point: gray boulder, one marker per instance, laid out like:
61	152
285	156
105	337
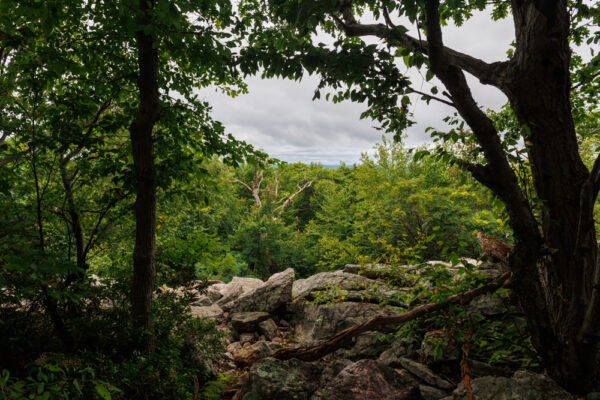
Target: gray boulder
255	351
213	311
202	300
425	374
524	385
366	346
237	287
336	279
316	322
488	305
266	297
367	379
268	328
435	348
394	352
431	393
372	271
276	379
248	321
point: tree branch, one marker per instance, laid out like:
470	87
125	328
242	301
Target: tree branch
490	74
243	184
449	103
502	181
291	198
344	338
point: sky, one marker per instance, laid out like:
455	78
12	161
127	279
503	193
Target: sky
279	117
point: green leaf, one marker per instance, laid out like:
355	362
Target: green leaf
103	392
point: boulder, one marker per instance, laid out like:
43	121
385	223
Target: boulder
247	337
435	348
367	379
336	279
488	305
213	311
276	379
431	393
394	352
425	374
316	322
523	385
266	297
372	271
248	321
268	328
237	287
202	300
214	292
366	346
255	351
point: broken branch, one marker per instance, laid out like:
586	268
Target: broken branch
344	338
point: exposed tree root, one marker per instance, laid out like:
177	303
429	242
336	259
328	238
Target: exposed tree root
344	338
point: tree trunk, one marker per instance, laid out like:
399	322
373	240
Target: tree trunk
75	221
144	268
565	264
554	258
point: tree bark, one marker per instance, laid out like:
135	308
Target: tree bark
554	264
75	220
144	268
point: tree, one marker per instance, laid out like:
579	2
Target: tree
554	261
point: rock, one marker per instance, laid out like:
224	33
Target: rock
487	305
365	346
524	385
214	292
255	351
332	369
315	322
395	351
479	369
431	393
212	311
266	297
445	352
246	338
202	300
229	293
234	289
247	284
371	271
367	379
425	374
337	279
247	321
268	328
275	379
233	347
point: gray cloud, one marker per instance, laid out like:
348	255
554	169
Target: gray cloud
280	117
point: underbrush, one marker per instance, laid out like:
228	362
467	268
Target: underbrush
94	357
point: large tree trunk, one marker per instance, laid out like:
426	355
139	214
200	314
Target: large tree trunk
144	268
539	94
554	260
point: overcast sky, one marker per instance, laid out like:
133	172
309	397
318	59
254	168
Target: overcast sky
279	117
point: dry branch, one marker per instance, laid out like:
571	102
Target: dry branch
344	338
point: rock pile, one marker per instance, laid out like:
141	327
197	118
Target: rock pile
261	317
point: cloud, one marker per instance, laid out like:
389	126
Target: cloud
280	117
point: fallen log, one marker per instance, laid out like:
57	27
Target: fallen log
344	338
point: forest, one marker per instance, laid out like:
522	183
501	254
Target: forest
124	204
